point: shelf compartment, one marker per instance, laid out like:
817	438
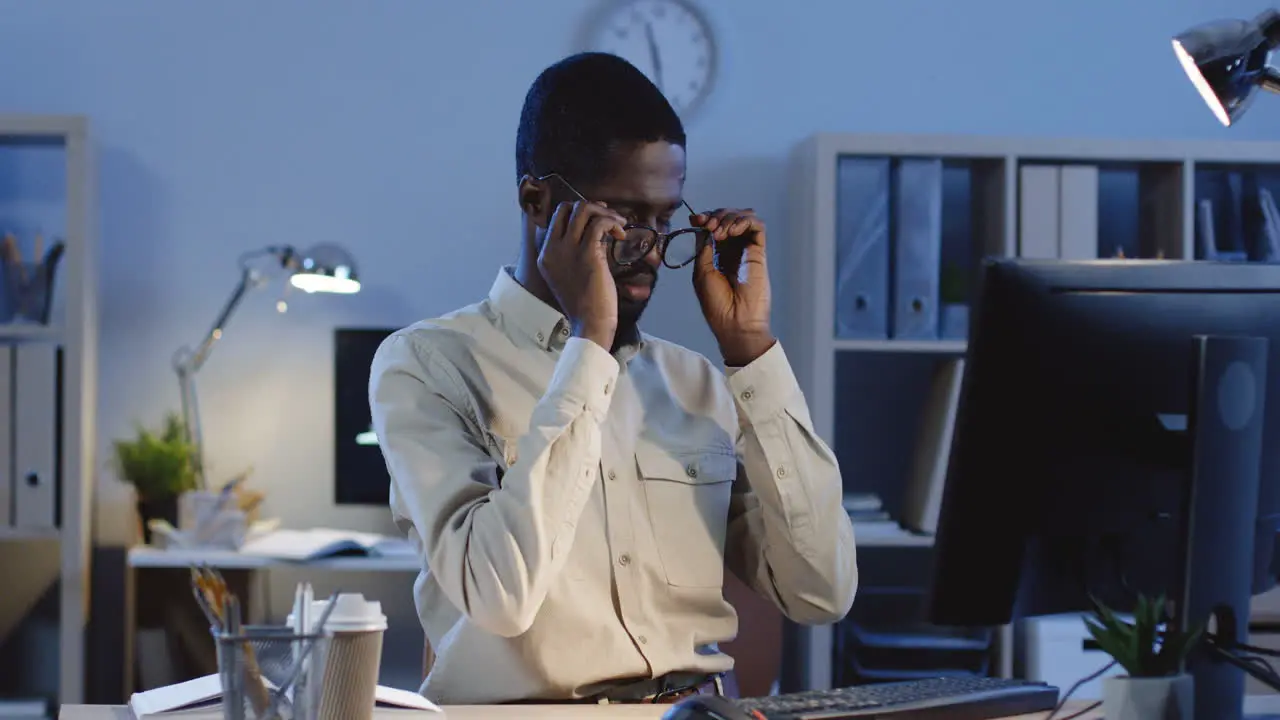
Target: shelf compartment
869	258
1232	195
21	332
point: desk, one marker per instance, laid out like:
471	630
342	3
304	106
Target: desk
149	558
485	712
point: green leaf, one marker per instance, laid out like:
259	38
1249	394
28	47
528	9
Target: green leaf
158	465
1114	645
1143	648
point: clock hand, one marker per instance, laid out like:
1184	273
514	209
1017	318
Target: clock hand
653	55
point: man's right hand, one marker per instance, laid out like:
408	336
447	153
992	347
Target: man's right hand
574	262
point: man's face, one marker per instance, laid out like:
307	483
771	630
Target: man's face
644	184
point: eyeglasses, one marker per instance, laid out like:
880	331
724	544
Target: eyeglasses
677	248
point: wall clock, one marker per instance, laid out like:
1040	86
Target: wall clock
670	41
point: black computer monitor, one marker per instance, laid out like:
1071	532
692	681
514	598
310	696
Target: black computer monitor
359	472
1079	433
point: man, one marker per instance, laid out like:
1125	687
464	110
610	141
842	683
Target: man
576	487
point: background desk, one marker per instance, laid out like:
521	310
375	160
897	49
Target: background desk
489	712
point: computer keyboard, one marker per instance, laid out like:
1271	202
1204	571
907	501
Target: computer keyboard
949	698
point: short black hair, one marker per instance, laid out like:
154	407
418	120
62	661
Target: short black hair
581	109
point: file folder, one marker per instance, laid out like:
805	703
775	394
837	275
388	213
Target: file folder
35	435
1038	206
1078	212
862	247
917	270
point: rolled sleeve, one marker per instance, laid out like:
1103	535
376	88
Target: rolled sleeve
585	376
793	540
494	547
766	388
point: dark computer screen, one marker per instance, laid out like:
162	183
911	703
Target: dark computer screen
360	475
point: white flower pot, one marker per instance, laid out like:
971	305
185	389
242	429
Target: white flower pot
1155	698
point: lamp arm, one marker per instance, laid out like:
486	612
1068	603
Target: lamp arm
187	362
1270	80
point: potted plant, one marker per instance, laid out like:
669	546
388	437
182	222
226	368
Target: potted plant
1152	655
160	466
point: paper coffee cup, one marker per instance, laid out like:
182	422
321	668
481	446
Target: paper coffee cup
354	657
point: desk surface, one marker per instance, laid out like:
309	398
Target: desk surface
149	557
486	712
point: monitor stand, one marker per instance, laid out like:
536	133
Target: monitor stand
1224	426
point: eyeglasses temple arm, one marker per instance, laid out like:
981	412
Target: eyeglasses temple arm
572	189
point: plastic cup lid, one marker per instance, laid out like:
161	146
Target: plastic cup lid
351	613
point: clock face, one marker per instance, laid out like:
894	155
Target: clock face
668	40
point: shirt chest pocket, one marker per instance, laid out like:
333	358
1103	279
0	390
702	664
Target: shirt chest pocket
688	494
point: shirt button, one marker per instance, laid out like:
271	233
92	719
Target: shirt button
541	337
747	395
643	640
607	388
691	471
782	472
624	560
613	475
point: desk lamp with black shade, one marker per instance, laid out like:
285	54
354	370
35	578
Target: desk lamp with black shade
323	268
1229	60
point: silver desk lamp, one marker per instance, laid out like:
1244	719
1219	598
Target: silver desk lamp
323	268
1228	60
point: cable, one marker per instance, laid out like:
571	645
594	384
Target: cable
1254	666
1067	696
1269	652
1087	708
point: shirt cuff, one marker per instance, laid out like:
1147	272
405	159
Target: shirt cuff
585	375
764	387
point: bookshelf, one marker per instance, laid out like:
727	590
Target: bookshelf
72	331
1005	197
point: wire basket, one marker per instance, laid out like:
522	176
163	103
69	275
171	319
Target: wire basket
271	673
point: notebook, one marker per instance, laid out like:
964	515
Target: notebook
303	545
194	698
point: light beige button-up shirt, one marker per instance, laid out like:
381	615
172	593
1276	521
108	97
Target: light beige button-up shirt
575	510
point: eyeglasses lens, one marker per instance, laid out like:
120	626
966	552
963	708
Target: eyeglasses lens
682	246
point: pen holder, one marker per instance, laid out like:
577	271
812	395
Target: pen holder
271	672
27	295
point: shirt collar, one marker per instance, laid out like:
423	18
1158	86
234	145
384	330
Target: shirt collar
525	316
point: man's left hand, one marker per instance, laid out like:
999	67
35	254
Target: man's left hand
731	279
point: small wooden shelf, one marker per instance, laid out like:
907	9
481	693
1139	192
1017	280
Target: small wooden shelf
73	411
21	533
944	347
25	332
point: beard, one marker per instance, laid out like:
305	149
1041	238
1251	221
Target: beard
629	310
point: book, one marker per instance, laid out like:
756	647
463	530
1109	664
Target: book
303	545
195	698
862	502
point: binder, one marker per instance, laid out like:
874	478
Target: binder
1078	212
917	254
862	247
35	431
1038	202
928	477
6	435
